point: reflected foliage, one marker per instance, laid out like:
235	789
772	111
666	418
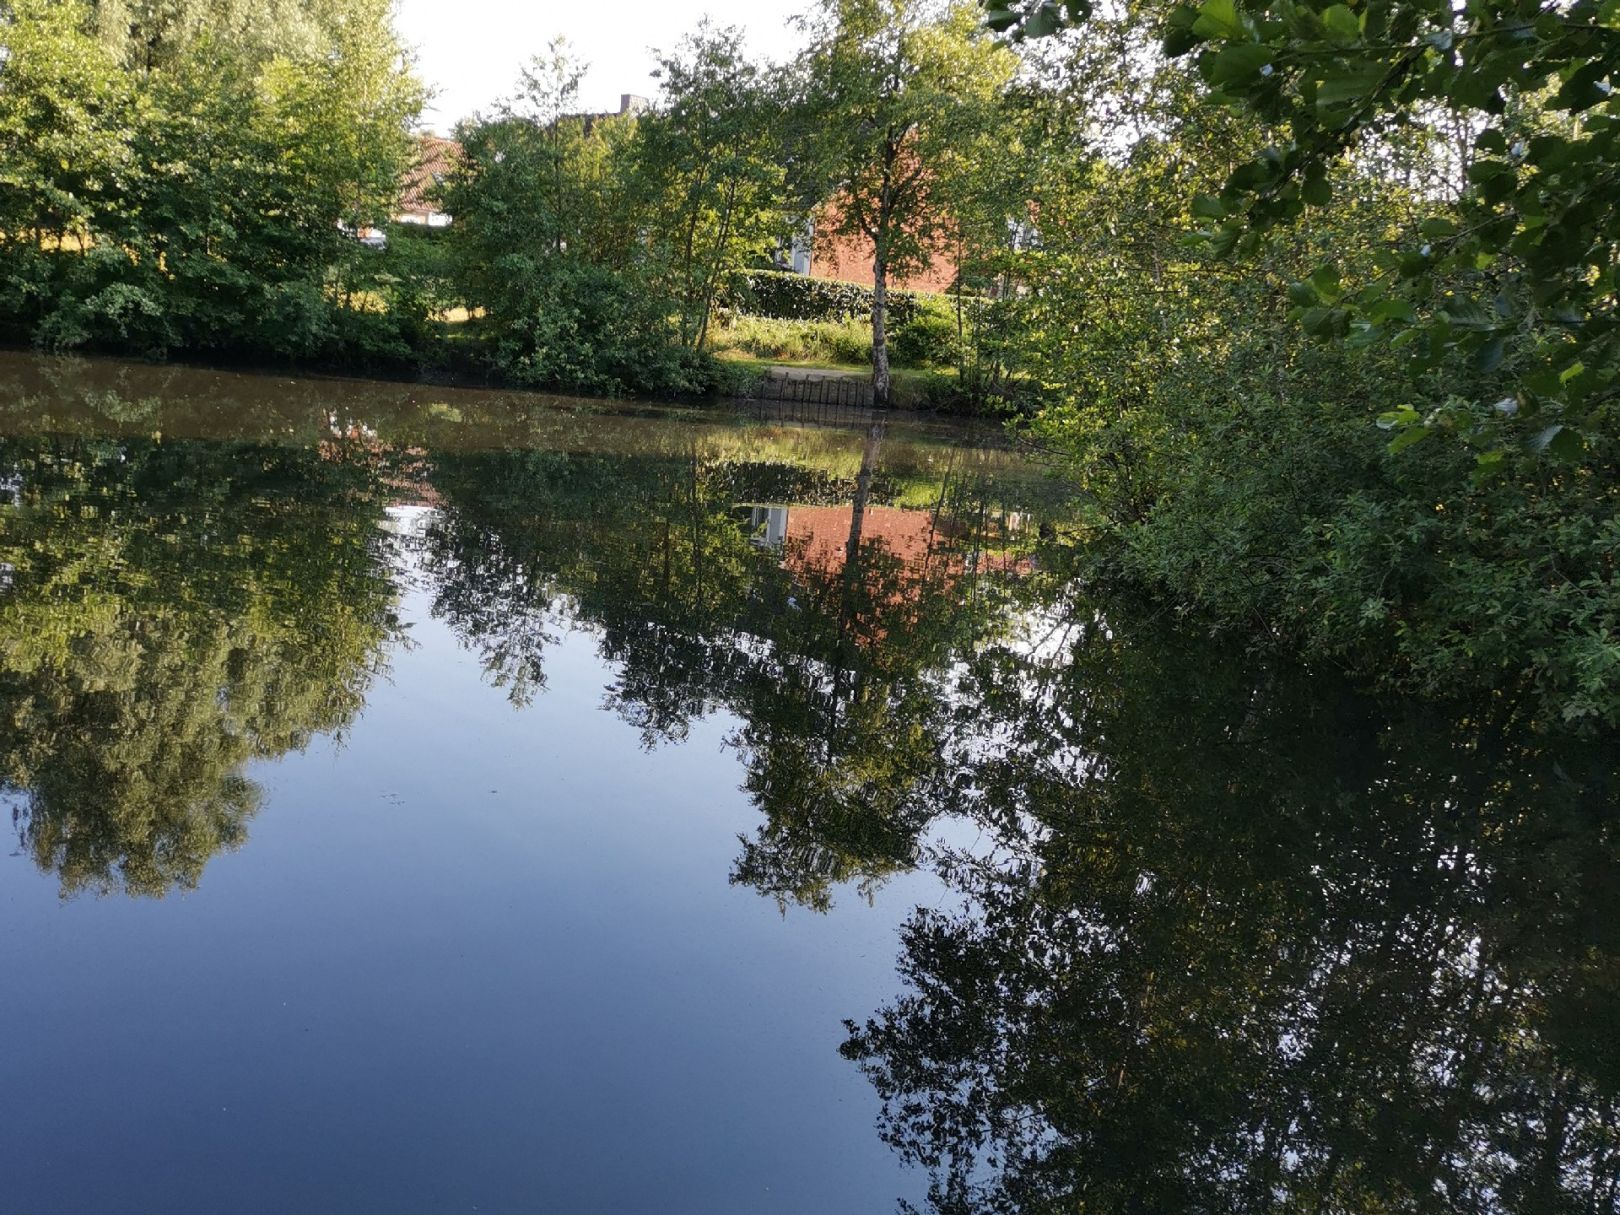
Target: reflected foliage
171	611
826	642
1297	951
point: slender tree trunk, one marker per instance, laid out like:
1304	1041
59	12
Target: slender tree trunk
880	320
712	283
961	333
845	649
688	276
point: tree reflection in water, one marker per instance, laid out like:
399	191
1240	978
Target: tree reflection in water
829	641
179	606
172	611
1249	943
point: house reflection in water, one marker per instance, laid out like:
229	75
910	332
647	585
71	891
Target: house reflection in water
815	540
767	525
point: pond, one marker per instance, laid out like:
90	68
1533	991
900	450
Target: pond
429	800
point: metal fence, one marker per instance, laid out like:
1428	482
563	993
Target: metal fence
808	397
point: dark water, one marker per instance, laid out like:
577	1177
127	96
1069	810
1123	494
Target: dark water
442	801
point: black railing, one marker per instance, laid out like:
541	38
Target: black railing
811	397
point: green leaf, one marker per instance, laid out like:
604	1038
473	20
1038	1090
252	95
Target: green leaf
1486	170
1488	464
1321	322
1341	23
1223	240
1218	19
1585	88
1316	190
1325	281
1467	314
1559	442
1177	42
1351	85
1407	437
1238	62
1391	310
1043	23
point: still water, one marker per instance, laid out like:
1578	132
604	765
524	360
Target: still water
431	801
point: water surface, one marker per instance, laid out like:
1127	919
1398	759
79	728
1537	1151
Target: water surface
429	800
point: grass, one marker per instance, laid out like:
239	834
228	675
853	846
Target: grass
764	363
832	344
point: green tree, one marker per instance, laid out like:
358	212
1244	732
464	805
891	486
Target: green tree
550	243
1236	467
1521	278
898	95
64	163
186	173
714	157
158	35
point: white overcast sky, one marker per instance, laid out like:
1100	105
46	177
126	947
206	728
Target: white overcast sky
469	51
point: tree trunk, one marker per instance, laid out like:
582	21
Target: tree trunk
880	337
847	608
863	494
712	283
688	278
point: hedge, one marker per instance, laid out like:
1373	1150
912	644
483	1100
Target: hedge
787	296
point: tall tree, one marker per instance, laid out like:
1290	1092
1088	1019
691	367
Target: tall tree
552	242
63	109
898	96
189	167
712	155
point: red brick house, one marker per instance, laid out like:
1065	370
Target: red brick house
849	259
435	157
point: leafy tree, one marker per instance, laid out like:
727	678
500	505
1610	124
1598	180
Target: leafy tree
1521	277
158	35
548	243
63	109
1236	468
898	96
713	155
185	173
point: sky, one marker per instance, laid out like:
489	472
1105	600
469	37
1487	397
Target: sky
469	51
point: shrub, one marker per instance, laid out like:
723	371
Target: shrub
1295	514
371	340
928	338
104	298
587	329
414	275
786	296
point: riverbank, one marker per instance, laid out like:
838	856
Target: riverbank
457	363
